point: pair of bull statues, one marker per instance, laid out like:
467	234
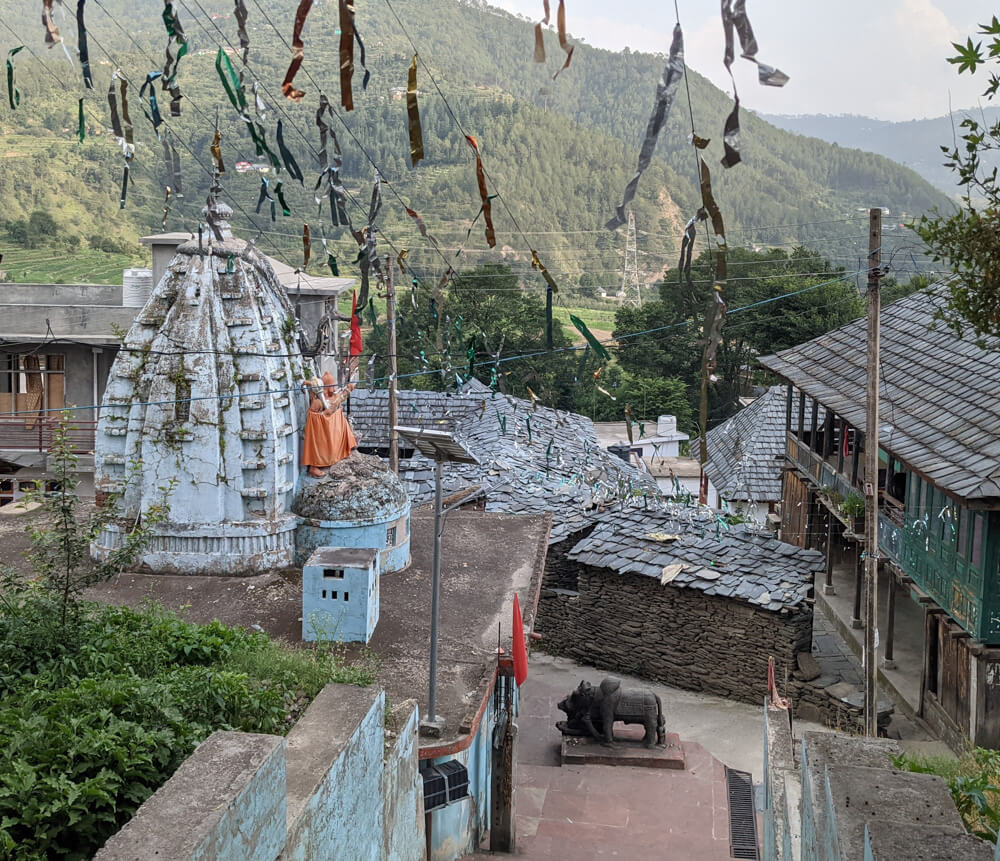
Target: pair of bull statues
593	711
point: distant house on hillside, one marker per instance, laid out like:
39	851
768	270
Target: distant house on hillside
938	486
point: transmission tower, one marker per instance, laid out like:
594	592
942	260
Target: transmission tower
630	293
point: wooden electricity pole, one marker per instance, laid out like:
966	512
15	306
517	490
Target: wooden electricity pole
871	474
390	319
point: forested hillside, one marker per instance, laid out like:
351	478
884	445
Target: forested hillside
558	151
915	143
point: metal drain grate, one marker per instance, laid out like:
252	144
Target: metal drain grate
742	817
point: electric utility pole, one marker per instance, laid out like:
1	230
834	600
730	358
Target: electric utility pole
390	319
871	474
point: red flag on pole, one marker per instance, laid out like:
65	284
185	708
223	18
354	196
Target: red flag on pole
355	346
519	650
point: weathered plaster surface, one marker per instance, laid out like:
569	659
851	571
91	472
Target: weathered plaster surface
403	789
205	392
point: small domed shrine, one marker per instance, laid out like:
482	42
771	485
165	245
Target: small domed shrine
206	392
359	503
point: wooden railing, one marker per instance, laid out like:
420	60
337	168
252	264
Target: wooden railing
33	433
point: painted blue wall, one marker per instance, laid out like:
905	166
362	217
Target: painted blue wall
344	610
370	533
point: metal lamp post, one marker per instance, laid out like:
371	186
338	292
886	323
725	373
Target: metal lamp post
441	447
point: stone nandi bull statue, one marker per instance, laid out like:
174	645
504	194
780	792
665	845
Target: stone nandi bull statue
593	711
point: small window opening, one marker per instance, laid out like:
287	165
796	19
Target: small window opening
324	593
390	536
346	595
333	573
333	596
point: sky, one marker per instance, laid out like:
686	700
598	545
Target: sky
877	58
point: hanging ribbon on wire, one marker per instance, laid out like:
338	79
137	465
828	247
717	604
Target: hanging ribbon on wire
216	150
592	341
240	13
298	52
413	115
52	36
548	316
539	39
175	38
13	93
563	42
687	248
265	194
287	158
330	165
491	238
81	127
734	17
121	127
331	260
346	54
666	89
306	247
718	227
236	92
81	45
153	114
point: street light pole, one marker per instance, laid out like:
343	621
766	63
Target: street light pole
435	594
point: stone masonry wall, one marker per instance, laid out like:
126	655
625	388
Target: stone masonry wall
629	623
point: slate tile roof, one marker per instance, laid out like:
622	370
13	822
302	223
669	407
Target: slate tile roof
532	459
939	391
747	451
736	563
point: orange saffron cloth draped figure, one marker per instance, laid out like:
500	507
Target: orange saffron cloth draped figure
328	436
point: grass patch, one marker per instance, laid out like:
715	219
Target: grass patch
97	714
47	265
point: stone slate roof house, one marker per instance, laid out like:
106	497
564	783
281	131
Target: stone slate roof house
938	485
746	454
610	594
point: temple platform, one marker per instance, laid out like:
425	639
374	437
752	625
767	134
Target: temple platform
628	749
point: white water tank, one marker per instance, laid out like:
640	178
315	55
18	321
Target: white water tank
666	426
137	284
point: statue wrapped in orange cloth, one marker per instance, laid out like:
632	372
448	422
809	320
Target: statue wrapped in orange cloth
328	436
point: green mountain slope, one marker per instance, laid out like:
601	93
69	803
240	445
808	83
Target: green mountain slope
916	143
560	152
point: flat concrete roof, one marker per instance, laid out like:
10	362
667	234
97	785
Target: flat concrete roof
343	557
485	559
682	467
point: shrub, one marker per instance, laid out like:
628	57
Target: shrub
97	713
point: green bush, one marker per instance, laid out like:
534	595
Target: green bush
96	714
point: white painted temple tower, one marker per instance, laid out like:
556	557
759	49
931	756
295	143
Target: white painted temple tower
206	390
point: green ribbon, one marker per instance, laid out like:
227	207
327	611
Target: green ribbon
230	82
331	261
81	131
596	345
13	93
281	199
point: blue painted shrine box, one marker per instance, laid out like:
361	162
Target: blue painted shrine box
340	598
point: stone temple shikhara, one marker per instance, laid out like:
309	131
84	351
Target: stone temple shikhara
206	390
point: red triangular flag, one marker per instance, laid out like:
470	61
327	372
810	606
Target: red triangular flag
520	652
355	346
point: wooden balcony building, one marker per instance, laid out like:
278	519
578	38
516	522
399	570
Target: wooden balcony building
939	498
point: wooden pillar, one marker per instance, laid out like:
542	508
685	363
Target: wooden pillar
828	585
814	424
788	408
828	434
859	439
859	575
802	415
840	445
888	662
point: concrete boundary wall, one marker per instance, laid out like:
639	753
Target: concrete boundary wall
333	789
225	802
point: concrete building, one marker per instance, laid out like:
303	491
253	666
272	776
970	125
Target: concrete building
340	595
663	442
205	392
57	344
